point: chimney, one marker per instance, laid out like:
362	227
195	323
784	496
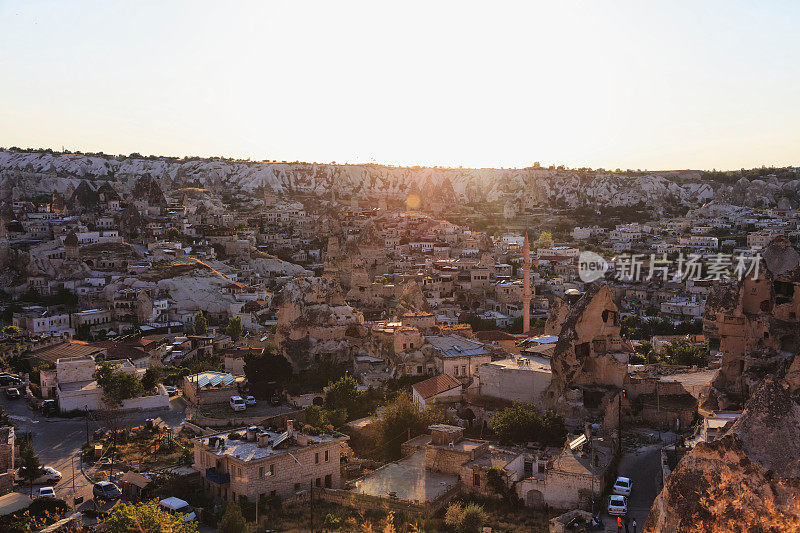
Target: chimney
588	431
252	431
290	428
263	439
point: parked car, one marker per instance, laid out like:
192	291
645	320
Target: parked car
46	492
622	486
178	507
12	393
49	406
617	505
9	380
51	475
237	403
105	490
250	400
172	391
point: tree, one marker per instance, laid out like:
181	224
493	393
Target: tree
401	419
683	352
469	519
235	330
152	376
320	417
545	240
11	331
520	423
232	521
265	369
145	517
30	467
343	394
173	233
116	384
200	324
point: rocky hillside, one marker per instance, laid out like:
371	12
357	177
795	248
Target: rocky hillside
747	481
34	172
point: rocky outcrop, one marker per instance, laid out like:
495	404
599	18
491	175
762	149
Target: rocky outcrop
747	481
27	173
412	299
315	321
589	362
758	324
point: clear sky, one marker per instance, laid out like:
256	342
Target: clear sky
639	84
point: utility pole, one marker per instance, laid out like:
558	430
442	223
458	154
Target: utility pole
86	418
622	393
72	462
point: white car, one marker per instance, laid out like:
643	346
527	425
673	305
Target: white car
178	507
617	505
47	492
51	475
237	403
250	400
622	486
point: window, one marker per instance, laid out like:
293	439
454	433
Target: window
463	370
404	345
412	345
326	456
296	487
260	471
419	369
271	470
476	479
455	371
328	481
272	493
318	483
316	458
528	468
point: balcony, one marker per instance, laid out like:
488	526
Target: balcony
220	478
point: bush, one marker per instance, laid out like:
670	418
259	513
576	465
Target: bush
469	519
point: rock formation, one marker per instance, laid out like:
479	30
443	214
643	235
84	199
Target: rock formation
315	321
758	324
746	481
590	360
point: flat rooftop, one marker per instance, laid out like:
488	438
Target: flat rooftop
532	363
407	479
251	451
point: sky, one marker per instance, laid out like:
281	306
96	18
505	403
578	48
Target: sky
611	84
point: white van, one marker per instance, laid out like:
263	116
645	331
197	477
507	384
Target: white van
178	507
237	403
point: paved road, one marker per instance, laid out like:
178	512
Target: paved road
58	441
643	466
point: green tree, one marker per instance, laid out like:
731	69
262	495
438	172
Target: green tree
343	394
545	240
173	233
200	324
400	419
145	517
520	423
152	377
683	352
11	331
232	521
234	330
267	371
83	332
320	417
30	467
116	384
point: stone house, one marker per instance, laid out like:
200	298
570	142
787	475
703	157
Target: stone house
258	463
